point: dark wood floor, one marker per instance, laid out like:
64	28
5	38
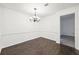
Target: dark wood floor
39	46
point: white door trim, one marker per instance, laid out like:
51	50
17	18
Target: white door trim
70	11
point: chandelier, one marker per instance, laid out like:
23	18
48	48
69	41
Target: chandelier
34	18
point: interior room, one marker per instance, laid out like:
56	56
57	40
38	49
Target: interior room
67	30
39	28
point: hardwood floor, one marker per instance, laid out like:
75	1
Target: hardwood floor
68	40
39	46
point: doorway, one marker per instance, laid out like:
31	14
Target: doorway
67	30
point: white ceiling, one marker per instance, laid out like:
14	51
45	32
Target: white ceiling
42	11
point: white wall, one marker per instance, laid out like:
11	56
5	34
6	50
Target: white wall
16	28
1	18
0	23
0	27
49	27
67	25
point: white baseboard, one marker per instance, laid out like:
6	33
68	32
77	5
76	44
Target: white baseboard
76	48
58	42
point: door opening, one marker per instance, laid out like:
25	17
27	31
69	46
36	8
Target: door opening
67	30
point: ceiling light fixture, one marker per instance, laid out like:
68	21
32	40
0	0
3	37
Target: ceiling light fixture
35	18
